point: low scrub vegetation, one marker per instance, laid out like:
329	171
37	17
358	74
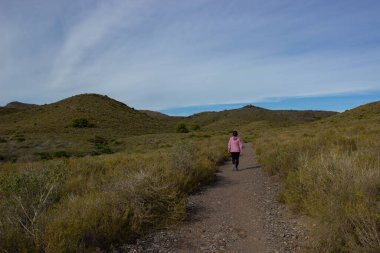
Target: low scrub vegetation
101	146
82	123
331	172
99	187
67	125
80	204
181	128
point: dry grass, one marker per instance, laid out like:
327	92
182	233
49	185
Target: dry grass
68	126
331	171
237	118
77	204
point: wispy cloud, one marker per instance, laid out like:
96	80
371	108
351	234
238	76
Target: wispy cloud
158	54
88	39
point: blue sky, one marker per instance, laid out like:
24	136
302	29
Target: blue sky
158	54
337	102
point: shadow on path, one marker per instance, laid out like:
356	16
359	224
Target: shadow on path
251	168
220	180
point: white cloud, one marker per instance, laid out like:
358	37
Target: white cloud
86	37
158	54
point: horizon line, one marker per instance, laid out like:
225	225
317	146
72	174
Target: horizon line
332	102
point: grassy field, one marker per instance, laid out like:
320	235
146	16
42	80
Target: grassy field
78	126
92	124
330	170
77	204
89	171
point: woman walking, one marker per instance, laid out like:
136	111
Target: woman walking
235	147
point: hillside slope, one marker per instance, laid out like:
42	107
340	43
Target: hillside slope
17	104
92	124
330	169
81	125
237	117
370	111
107	115
154	114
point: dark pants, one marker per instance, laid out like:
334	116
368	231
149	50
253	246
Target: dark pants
235	158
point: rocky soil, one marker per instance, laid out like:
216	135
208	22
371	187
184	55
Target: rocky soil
238	213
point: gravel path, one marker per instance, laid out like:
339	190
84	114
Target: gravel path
238	213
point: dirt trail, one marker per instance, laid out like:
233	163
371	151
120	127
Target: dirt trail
239	213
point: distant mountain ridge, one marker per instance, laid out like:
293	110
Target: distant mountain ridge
249	113
105	113
16	104
370	111
109	115
154	114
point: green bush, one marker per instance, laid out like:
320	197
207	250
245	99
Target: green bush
61	154
44	155
101	146
28	196
195	127
181	128
82	123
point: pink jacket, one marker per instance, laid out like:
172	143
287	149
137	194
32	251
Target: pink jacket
235	145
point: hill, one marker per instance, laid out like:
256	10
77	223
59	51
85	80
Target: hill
370	111
229	119
17	105
157	115
13	107
79	125
106	115
92	124
330	170
109	117
327	163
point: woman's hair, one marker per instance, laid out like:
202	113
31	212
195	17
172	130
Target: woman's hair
234	133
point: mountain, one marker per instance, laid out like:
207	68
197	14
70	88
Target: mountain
18	105
109	117
92	124
157	115
13	107
248	114
81	125
106	115
367	111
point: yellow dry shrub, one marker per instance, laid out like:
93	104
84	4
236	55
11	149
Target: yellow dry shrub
85	221
333	175
102	201
340	191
